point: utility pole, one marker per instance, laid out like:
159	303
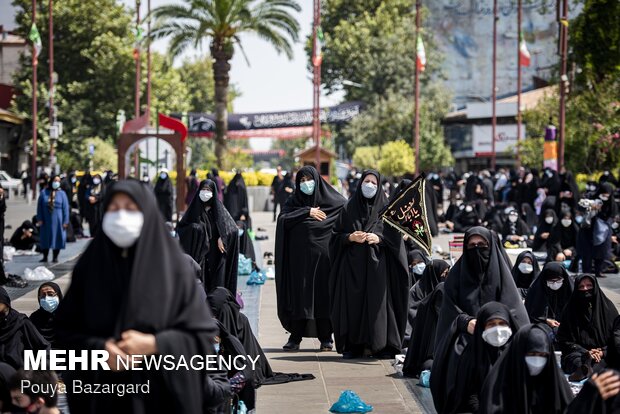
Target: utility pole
53	126
316	65
33	179
519	18
148	62
494	116
563	80
416	127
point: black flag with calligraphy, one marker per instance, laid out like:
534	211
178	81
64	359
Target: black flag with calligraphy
407	213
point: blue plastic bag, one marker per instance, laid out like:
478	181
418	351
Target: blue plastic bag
425	378
245	265
350	402
256	278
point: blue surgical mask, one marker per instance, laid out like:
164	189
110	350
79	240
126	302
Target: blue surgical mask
240	232
55	185
566	263
419	268
49	303
579	219
369	190
216	346
163	176
307	187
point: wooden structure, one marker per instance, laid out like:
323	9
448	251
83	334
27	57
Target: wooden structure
308	157
128	140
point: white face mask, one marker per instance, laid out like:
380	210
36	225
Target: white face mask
555	285
567	222
615	225
205	195
497	336
123	227
469	209
163	176
369	190
535	364
513	218
604	197
96	181
579	219
549	220
419	268
526	268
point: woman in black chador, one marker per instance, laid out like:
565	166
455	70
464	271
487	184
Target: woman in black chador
236	200
302	258
209	234
133	293
165	194
369	282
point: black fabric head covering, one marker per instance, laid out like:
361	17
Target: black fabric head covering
148	287
4	297
44	320
523	280
541	302
236	197
195	234
586	322
324	195
610	207
509	387
366	211
431	276
529	215
479	277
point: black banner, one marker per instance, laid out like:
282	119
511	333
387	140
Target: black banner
200	123
408	214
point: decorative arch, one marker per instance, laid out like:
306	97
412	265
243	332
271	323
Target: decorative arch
126	140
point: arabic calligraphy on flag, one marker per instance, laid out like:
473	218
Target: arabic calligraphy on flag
407	213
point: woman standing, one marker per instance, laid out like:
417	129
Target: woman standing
133	293
211	237
164	194
369	280
94	210
52	219
302	259
236	200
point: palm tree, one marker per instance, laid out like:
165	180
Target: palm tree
221	22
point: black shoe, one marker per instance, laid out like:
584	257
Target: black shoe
44	260
350	355
327	346
15	282
291	346
55	260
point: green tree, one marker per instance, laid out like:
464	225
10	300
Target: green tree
366	157
396	159
531	153
197	75
222	22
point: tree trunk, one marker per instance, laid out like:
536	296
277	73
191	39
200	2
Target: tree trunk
221	51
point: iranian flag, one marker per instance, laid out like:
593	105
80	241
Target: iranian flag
421	55
35	38
524	54
319	40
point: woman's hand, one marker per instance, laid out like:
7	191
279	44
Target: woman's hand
372	238
357	237
608	384
65	226
596	354
553	323
544	236
220	245
114	352
471	326
317	214
137	343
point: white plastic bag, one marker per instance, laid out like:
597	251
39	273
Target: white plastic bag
8	252
39	274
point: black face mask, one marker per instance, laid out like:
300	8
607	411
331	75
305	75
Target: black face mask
586	295
478	259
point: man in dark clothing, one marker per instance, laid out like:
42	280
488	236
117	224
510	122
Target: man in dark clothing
275	188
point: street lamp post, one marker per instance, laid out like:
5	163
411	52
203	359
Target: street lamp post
416	137
33	179
494	116
563	79
52	115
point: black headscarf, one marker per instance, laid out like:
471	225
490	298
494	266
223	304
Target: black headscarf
236	198
564	237
16	239
460	373
368	278
542	303
544	227
164	194
586	323
610	207
551	181
479	277
199	231
509	388
429	280
302	255
523	280
44	320
563	204
529	215
150	288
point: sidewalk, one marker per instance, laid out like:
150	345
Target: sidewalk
374	381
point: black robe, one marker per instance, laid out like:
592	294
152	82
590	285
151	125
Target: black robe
539	243
369	284
236	199
542	303
610	207
510	389
17	333
462	362
148	287
302	255
165	197
584	325
563	238
199	230
432	204
466	292
246	246
24	244
589	401
523	280
429	280
43	320
567	204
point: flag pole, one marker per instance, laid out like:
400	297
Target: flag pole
519	18
494	116
137	86
563	81
416	128
316	107
33	179
51	80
